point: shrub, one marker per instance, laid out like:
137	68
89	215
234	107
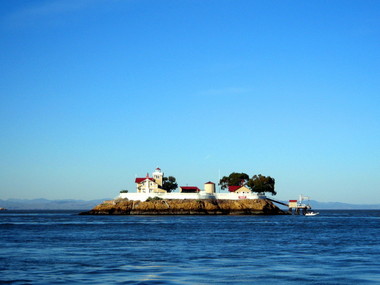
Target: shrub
153	199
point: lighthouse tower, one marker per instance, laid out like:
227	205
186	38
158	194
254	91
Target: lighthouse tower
157	175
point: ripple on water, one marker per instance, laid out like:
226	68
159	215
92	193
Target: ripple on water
67	249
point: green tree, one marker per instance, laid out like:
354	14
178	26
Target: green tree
169	183
262	184
234	179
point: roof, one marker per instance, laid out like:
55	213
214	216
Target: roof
233	188
189	187
139	180
209	182
292	200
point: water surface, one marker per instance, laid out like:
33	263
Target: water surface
59	247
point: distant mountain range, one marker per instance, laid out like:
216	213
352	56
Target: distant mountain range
337	206
343	206
44	204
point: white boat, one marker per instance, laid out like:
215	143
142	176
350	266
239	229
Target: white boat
311	213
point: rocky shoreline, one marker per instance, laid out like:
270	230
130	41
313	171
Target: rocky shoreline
186	207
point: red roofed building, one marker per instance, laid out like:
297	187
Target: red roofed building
150	184
189	189
239	189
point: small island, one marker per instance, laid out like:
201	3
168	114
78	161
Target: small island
157	206
154	196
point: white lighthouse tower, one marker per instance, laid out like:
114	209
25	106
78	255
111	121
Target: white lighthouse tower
157	175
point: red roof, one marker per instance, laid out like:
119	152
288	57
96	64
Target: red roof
209	182
233	188
139	180
292	200
190	188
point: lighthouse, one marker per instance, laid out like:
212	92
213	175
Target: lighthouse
157	176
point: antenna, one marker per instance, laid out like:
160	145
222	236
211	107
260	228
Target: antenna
218	182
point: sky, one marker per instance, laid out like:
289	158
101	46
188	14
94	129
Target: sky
94	93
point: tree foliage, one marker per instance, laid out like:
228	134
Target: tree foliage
169	183
262	184
234	179
257	183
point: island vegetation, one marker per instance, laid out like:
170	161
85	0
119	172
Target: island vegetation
169	183
256	183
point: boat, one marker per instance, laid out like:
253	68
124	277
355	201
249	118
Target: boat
311	213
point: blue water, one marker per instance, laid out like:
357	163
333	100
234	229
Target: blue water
336	247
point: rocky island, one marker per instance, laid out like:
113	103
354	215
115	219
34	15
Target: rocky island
155	196
186	207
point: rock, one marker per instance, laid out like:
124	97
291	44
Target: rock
186	207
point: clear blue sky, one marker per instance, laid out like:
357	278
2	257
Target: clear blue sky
95	92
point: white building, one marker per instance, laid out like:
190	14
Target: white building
151	187
150	184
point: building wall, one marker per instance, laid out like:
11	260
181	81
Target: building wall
142	187
243	190
159	190
157	175
196	196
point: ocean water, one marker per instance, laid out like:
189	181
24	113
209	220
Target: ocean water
61	247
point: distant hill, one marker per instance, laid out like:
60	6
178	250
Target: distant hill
343	206
69	204
44	204
338	206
